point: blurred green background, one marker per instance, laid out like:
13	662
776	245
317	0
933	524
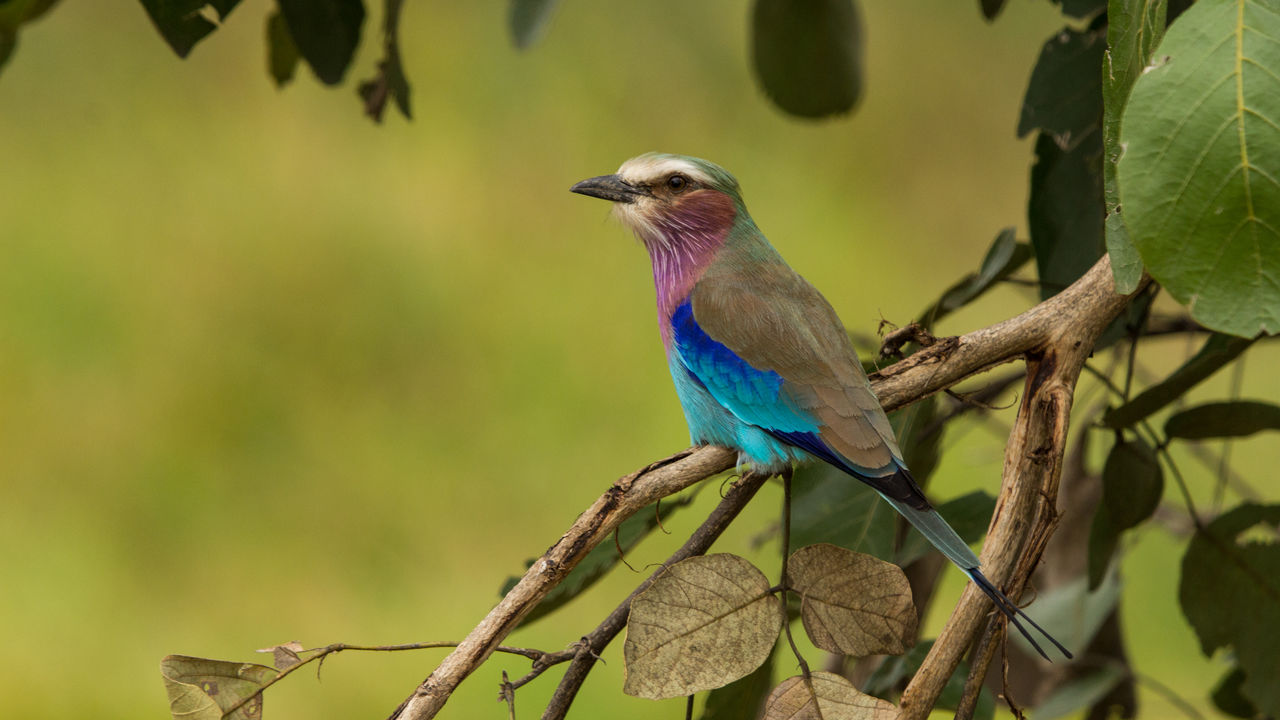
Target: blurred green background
270	372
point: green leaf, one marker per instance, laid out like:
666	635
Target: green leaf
832	698
528	20
1080	692
919	437
390	83
1064	95
326	33
14	14
1081	8
1230	593
991	8
602	558
829	506
743	698
1004	257
851	603
893	672
8	41
1072	613
203	689
1065	211
969	515
1216	352
1132	483
181	22
808	55
1236	418
1199	179
1134	27
703	623
1228	698
282	53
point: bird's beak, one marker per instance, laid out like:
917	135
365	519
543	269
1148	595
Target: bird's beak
609	187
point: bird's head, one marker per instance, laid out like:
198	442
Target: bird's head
670	200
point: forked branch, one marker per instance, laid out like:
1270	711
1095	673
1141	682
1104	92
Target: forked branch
1056	336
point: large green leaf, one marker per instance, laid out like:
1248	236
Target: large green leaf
1004	256
282	53
181	23
893	672
326	33
1230	593
1080	692
1200	174
1133	29
742	698
1132	484
808	55
1081	8
1064	94
829	506
528	20
1065	210
1228	697
14	14
832	507
1072	612
1236	418
1216	352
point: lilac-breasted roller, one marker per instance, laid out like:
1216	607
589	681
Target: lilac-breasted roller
760	360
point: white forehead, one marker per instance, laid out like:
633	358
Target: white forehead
647	169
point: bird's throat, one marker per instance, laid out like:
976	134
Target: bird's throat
682	241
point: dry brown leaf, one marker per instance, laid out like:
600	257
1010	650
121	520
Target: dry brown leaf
704	623
284	655
202	689
852	603
836	697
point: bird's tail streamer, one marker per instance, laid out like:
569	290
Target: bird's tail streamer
1015	614
936	530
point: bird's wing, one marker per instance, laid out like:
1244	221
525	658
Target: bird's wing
770	349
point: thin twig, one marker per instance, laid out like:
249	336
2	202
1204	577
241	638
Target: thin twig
589	649
786	581
322	652
979	660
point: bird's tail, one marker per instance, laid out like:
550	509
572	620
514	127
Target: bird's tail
936	530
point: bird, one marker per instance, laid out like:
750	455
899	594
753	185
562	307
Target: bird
760	360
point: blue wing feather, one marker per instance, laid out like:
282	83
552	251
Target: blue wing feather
757	399
754	396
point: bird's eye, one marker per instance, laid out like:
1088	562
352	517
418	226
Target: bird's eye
677	183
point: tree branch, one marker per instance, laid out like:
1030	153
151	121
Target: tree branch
593	644
1057	335
620	501
1056	342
